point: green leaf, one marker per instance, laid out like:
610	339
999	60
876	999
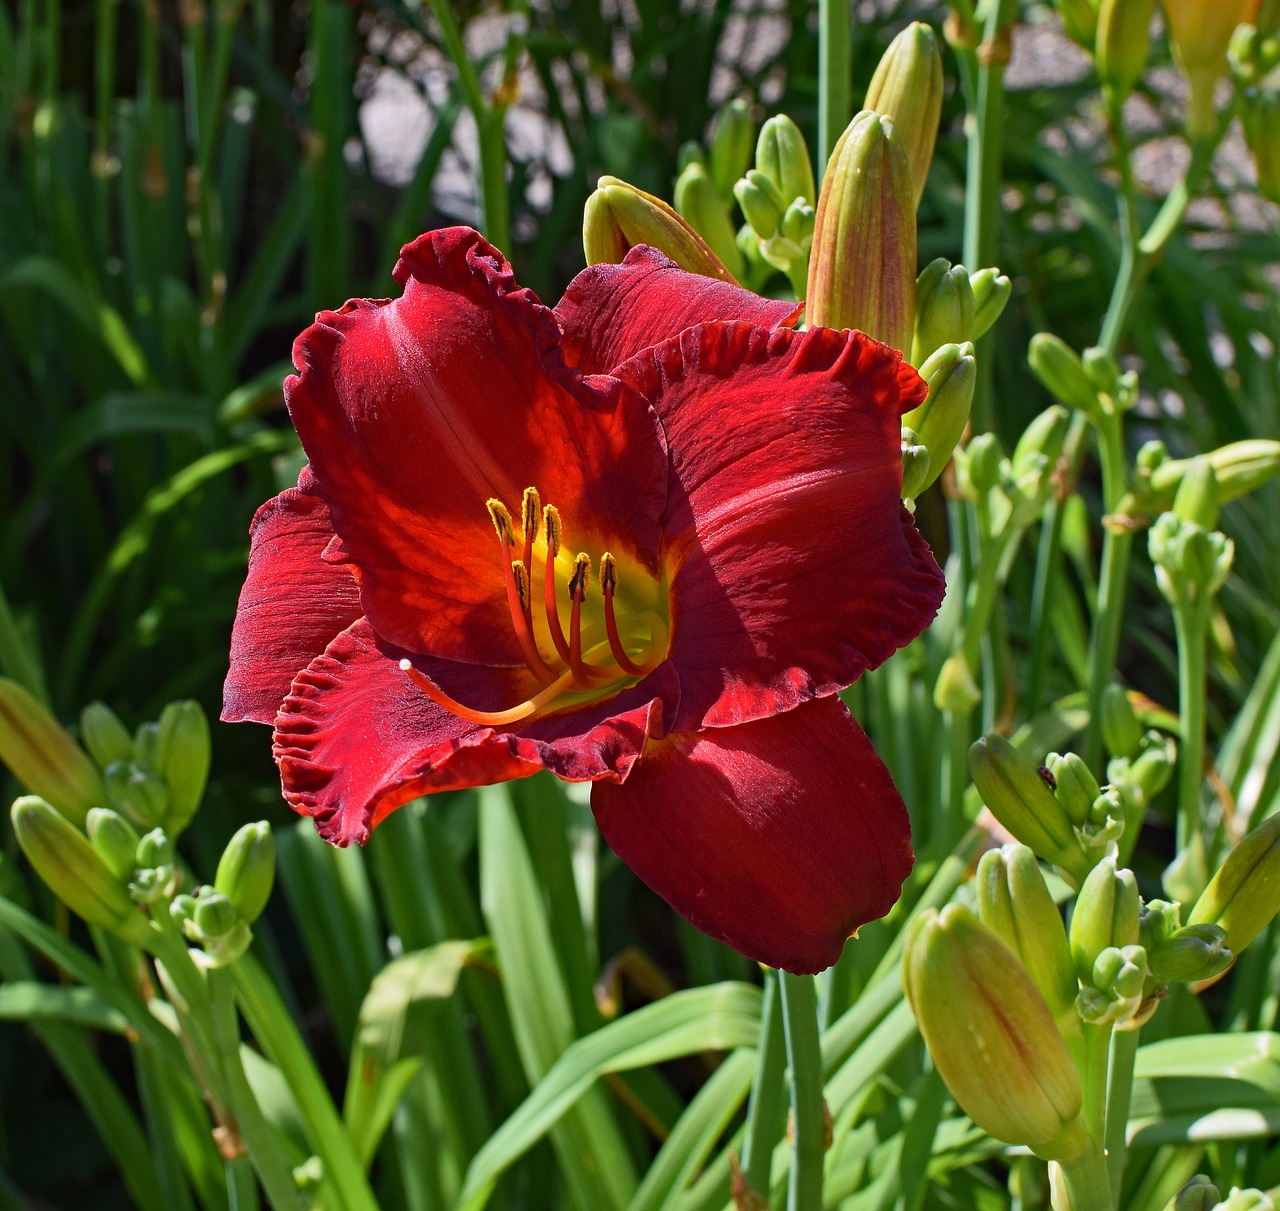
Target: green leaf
31	1000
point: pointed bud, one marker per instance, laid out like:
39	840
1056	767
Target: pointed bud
74	871
136	792
915	465
951	373
862	271
1153	767
115	840
980	1014
983	459
43	757
1200	32
155	876
1260	110
797	223
944	309
1121	731
731	142
1199	1194
1244	895
1020	798
703	209
214	915
247	870
690	153
1105	915
762	203
1191	954
102	733
1014	901
619	216
1038	450
1124	33
1060	370
956	689
907	87
1075	787
1239	467
783	156
212	923
183	754
146	742
1101	368
1198	496
1113	992
991	291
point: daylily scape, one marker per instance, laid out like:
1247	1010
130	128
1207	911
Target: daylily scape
639	540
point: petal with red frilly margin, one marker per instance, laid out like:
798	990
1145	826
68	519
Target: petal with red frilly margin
780	837
292	603
355	738
609	313
793	565
415	411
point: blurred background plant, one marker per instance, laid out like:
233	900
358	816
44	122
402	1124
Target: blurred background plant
183	188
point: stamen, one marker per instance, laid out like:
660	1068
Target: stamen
517	599
501	519
522	584
516	714
577	591
608	585
551	518
531	508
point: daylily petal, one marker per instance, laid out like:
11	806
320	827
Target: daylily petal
793	565
416	410
355	738
292	603
780	837
611	312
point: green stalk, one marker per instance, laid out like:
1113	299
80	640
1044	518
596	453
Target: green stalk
1124	1052
804	1054
835	46
767	1113
1087	1183
1191	622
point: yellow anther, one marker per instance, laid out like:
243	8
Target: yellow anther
551	519
522	583
608	574
501	518
581	572
531	510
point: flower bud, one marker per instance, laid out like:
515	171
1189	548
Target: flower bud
1239	467
1014	901
797	223
214	915
1260	110
1105	915
1021	800
74	871
944	309
619	216
907	87
1190	954
956	689
1188	559
1060	370
939	422
703	209
210	920
43	757
991	291
1121	731
1075	787
690	153
1123	36
1113	992
862	270
156	876
1197	498
1153	768
102	733
915	465
982	459
1101	368
183	753
982	1017
146	741
1199	1194
783	157
115	840
731	141
1040	446
1246	1200
1244	895
1080	20
762	203
247	870
137	792
1200	32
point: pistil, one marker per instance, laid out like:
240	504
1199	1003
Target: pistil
516	714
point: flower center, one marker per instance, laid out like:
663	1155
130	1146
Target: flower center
612	639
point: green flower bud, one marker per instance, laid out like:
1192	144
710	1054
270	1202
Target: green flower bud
1186	877
1123	35
1153	768
74	871
1075	787
1196	952
939	422
1101	369
214	915
762	205
1189	560
183	753
182	910
704	210
1239	467
1200	32
944	309
1012	787
1038	450
991	291
797	223
732	139
156	877
1014	901
690	153
981	1014
1247	1200
1080	19
862	271
1158	921
956	689
1114	991
102	733
1151	455
1260	110
1106	820
1059	369
619	216
1244	895
983	457
1197	498
43	758
915	465
1121	731
137	792
247	869
146	742
1105	916
907	87
1199	1194
155	849
783	157
115	840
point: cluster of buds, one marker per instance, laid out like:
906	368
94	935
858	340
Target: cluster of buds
1238	467
1092	384
1254	55
777	197
1200	1194
1191	558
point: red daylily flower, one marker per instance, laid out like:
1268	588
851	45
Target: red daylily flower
417	617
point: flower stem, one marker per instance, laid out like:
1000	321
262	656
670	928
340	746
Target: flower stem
800	1023
1124	1052
766	1117
1190	620
835	40
1087	1184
